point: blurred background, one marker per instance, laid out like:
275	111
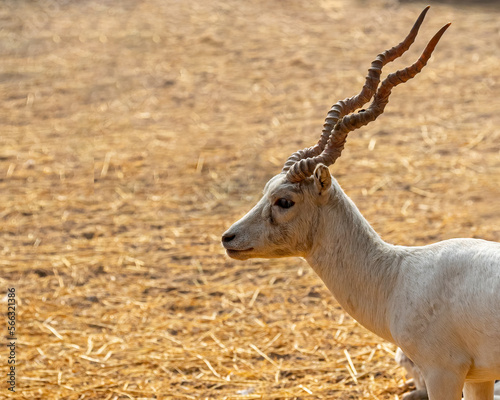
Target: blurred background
134	133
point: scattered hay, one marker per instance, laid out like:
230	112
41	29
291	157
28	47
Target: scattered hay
184	110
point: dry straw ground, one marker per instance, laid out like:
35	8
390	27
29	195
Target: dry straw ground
133	133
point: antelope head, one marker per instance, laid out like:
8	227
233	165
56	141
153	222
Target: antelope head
284	221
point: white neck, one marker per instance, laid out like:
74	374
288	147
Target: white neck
356	265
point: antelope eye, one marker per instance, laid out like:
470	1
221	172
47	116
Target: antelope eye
284	203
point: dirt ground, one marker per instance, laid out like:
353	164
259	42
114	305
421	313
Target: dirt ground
133	133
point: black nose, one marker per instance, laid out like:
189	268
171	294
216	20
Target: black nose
226	238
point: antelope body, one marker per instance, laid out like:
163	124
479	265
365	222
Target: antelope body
439	303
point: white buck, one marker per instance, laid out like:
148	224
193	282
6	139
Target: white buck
440	303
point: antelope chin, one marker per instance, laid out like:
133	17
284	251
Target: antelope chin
240	254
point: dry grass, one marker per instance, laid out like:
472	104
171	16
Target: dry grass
183	110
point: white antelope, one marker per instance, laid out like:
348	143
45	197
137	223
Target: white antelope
440	303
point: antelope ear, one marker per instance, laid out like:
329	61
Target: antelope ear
322	178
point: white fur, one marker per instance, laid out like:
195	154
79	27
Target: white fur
440	303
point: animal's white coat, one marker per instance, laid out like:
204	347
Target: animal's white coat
440	303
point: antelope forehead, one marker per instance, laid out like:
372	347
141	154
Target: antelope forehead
294	193
273	183
279	187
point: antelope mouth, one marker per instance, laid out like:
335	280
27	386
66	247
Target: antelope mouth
239	254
